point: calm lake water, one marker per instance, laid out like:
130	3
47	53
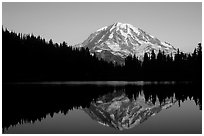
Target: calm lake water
102	107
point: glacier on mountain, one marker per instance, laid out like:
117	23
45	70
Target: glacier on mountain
122	39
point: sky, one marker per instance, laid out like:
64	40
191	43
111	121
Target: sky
179	23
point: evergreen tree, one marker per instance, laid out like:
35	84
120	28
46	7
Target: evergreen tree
30	58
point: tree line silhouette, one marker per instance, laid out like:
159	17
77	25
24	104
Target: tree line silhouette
181	66
31	58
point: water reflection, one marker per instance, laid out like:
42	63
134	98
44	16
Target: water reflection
118	106
118	111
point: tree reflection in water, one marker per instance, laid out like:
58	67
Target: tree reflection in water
118	106
118	111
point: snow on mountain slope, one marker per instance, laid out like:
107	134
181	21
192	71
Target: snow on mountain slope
122	40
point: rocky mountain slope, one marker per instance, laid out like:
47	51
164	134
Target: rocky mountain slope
117	41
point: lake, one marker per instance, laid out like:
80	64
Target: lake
102	107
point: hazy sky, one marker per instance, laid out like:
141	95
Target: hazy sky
177	23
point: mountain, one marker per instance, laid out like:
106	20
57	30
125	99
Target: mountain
116	110
117	41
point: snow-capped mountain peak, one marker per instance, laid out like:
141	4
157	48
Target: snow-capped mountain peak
122	39
126	26
102	28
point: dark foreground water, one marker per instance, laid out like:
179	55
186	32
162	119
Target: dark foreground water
102	107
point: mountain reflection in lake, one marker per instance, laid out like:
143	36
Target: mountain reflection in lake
102	107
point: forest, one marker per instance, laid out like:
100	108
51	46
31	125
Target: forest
27	58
